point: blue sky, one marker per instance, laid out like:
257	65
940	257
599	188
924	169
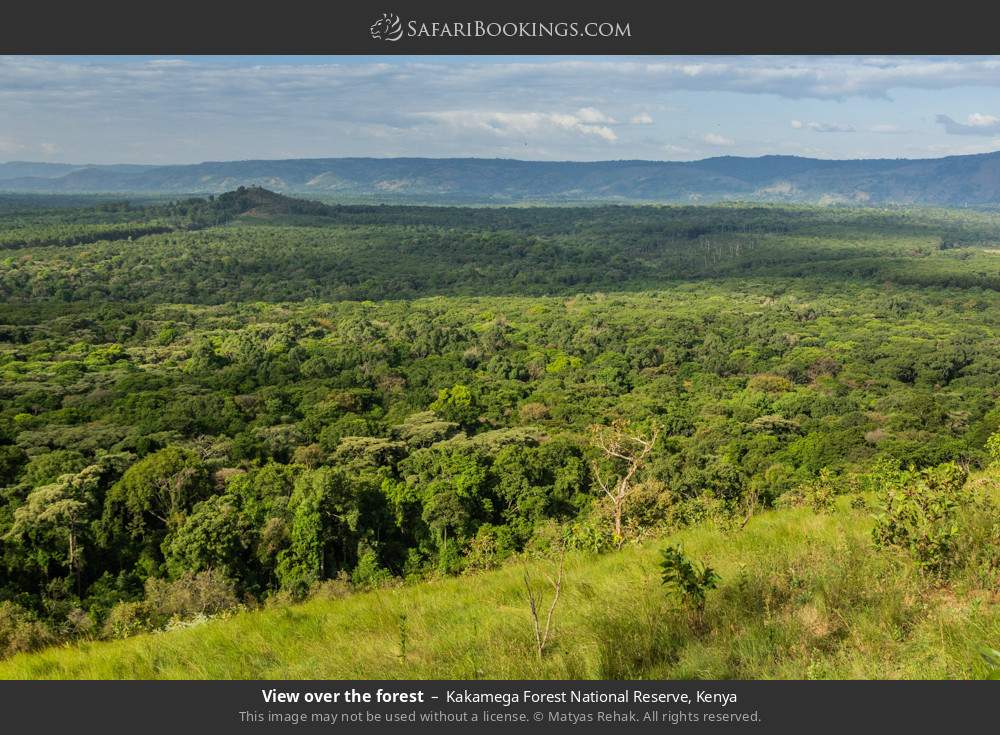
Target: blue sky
189	109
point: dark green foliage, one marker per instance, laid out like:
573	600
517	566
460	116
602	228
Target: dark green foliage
689	579
157	492
236	248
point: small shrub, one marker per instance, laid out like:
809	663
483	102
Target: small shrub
919	513
178	624
820	493
977	547
332	589
993	448
589	532
403	633
21	631
703	507
652	506
79	623
449	559
369	573
690	580
203	593
127	619
489	548
533	412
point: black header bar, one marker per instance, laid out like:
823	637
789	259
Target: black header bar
509	27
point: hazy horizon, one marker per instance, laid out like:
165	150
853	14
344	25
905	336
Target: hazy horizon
183	110
487	158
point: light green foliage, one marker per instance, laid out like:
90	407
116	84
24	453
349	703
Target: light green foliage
51	516
48	467
127	619
205	593
820	492
993	448
456	404
368	572
919	513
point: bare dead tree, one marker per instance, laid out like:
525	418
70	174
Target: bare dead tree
535	602
629	449
749	504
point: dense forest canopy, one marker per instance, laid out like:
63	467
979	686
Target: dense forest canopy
256	394
255	245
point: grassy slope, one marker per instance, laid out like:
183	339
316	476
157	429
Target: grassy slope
803	595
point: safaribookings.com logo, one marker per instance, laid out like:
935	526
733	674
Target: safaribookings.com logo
387	28
390	28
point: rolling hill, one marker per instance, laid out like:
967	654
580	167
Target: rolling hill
951	181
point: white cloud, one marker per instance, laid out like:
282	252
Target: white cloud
583	122
975	124
9	146
168	110
979	120
809	77
717	140
591	116
886	128
823	127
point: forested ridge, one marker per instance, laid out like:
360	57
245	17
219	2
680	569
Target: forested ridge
272	395
964	180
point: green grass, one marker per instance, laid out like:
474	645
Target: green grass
803	595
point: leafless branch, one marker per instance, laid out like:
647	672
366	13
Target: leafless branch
534	601
618	442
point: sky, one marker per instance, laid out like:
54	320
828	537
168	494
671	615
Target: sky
162	110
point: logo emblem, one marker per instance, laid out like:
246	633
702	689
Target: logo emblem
387	28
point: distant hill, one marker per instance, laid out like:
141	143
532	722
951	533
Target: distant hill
256	200
955	180
17	170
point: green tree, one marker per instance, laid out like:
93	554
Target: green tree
212	536
156	493
325	520
52	520
457	404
